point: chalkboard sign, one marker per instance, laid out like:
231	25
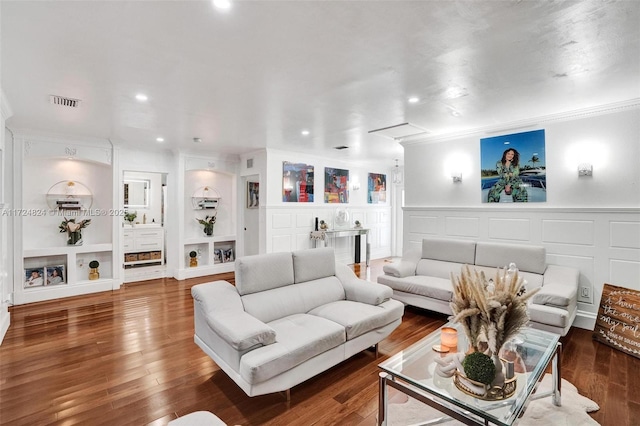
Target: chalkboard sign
618	322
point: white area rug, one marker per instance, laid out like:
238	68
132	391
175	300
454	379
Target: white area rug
539	412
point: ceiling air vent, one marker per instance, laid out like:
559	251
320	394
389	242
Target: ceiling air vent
400	131
340	147
63	101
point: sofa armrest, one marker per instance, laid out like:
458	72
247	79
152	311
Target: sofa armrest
241	330
358	290
406	267
559	287
225	315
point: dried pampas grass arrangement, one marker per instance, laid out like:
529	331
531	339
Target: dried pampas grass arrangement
490	313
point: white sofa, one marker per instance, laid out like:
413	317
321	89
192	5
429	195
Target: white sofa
289	317
422	277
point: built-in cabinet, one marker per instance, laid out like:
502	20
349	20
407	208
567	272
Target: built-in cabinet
143	245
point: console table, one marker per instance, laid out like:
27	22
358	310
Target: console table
356	233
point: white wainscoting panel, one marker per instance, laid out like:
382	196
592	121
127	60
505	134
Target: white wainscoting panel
510	229
422	224
281	221
462	226
625	234
303	241
281	243
568	232
372	219
305	220
625	273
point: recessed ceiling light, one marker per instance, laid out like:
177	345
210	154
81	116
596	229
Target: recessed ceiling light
197	140
455	113
305	132
413	99
141	97
159	139
222	4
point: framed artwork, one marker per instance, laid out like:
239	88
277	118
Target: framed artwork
513	168
54	274
34	277
218	256
336	185
376	188
253	195
297	182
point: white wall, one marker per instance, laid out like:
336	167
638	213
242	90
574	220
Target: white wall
6	255
591	223
287	225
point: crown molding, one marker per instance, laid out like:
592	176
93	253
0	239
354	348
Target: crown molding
533	122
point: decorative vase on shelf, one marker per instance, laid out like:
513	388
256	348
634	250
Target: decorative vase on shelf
193	259
75	238
94	274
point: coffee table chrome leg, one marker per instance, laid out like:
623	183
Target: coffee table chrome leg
382	399
556	370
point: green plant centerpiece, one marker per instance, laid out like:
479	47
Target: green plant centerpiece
73	230
207	224
94	274
130	217
479	367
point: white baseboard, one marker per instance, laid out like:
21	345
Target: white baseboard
6	321
586	320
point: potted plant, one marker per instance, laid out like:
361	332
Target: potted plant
130	217
207	224
73	230
94	274
193	259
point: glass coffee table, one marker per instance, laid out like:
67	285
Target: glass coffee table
412	371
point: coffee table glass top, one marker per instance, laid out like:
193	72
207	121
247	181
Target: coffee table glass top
532	351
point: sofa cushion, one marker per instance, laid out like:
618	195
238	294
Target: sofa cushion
550	315
532	280
271	305
319	292
313	264
460	251
263	272
433	287
359	318
438	268
560	296
527	258
298	338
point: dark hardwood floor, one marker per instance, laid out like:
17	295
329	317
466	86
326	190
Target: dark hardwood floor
128	358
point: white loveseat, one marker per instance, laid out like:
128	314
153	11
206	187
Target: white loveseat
422	277
289	317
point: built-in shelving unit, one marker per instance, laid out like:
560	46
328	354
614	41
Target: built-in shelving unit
60	181
209	189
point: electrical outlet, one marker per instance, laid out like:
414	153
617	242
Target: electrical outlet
584	292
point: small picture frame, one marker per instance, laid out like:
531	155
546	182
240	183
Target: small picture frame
34	277
218	256
55	274
228	255
253	195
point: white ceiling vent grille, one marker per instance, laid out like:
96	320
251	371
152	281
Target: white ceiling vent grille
64	101
400	131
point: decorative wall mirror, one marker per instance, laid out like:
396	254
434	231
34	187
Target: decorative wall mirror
136	193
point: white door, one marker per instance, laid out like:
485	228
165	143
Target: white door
251	215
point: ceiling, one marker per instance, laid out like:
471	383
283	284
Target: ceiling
258	74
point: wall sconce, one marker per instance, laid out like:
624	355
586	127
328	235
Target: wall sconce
585	169
397	174
457	177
